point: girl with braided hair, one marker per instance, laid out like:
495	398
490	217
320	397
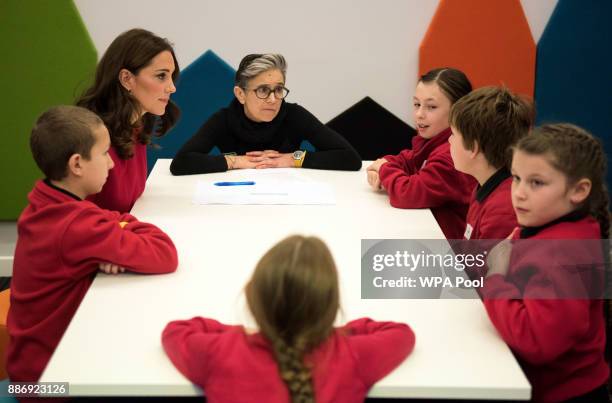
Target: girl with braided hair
297	355
545	286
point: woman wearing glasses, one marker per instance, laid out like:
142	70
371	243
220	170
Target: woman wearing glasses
260	130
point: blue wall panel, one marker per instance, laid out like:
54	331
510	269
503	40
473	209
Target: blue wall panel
573	74
205	86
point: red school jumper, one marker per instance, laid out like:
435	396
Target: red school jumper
560	343
491	215
61	240
232	366
126	181
425	177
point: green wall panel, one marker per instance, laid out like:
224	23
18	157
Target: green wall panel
46	58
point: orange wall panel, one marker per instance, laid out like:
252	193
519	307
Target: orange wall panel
490	41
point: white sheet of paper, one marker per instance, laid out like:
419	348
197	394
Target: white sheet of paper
270	188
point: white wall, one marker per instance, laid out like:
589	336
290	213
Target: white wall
338	51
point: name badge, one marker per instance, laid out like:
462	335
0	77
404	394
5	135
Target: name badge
468	232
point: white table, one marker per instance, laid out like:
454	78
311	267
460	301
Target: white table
8	238
112	346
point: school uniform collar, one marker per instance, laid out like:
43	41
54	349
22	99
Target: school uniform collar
491	184
48	183
441	137
576	215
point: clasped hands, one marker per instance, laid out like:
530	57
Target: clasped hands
260	160
372	172
110	268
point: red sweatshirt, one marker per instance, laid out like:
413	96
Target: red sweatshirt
125	183
491	215
425	177
61	240
560	343
232	366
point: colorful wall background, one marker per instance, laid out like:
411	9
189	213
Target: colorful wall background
353	63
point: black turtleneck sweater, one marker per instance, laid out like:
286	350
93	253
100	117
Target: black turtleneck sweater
232	132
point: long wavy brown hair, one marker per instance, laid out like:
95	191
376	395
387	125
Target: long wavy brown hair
132	50
294	298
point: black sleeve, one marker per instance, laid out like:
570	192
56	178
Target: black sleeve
193	156
333	151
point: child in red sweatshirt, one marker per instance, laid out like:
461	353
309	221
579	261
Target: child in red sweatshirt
425	177
64	240
296	355
543	293
485	124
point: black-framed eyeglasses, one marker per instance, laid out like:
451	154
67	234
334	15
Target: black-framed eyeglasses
264	92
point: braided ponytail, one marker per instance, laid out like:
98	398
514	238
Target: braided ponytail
602	214
294	297
294	372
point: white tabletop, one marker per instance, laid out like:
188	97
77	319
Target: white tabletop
112	346
8	238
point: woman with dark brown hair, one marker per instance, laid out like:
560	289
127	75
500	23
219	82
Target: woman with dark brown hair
131	93
297	355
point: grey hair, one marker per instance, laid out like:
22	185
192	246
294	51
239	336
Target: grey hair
254	64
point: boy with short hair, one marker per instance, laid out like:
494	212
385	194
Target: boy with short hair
63	240
485	124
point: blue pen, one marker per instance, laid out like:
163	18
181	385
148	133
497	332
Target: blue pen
247	183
